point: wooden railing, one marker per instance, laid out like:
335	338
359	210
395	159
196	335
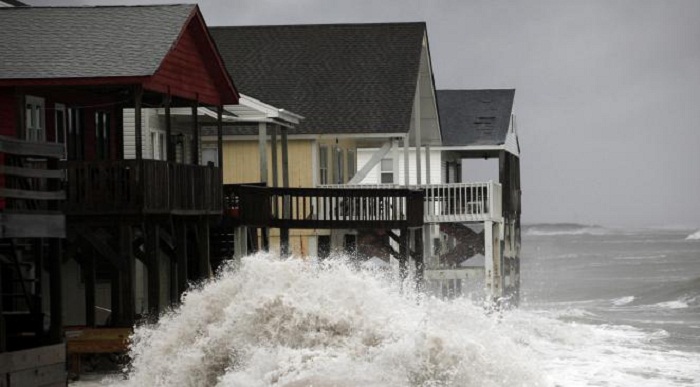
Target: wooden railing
330	208
141	187
30	189
453	202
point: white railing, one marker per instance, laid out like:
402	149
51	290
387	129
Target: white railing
453	202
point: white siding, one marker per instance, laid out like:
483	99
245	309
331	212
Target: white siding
149	122
374	176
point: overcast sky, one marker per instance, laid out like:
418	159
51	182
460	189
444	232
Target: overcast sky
607	92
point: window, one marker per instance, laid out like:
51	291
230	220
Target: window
338	163
351	163
75	135
34	119
102	123
323	164
387	171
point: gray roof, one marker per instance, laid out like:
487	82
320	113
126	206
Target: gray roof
475	117
14	3
81	42
343	78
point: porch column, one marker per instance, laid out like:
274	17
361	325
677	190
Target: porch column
395	159
138	131
273	146
220	137
195	133
405	161
284	232
427	164
262	150
416	113
170	149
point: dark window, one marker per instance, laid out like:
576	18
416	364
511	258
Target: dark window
76	150
102	123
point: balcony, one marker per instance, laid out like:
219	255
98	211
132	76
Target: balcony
453	202
141	187
358	207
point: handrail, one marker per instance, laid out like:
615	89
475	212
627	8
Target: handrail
142	186
18	147
330	208
452	202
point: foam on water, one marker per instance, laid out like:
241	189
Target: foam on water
301	323
693	236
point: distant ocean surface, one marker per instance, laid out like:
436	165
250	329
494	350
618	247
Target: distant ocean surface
635	295
600	307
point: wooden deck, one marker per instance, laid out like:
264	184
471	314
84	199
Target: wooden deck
452	202
30	190
148	187
305	208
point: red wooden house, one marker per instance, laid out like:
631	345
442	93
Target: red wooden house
67	195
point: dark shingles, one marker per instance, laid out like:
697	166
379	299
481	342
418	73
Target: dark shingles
81	42
475	117
343	78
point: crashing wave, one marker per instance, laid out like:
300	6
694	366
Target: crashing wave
564	229
296	323
695	236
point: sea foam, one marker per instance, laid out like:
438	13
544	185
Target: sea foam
299	323
693	236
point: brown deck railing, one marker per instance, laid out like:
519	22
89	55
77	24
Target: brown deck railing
330	208
141	187
30	189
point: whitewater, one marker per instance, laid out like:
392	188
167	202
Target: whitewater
264	321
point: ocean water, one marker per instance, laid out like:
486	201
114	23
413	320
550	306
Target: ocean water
599	308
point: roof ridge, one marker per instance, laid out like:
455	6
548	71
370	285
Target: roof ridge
29	7
311	25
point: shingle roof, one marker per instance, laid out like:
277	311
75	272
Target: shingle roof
81	42
14	3
343	78
475	117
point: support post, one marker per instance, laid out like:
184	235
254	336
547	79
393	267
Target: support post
489	267
240	244
56	307
417	124
115	295
151	242
220	137
128	276
170	149
89	273
403	254
405	161
273	146
195	133
181	254
138	127
419	258
203	246
427	164
284	232
262	150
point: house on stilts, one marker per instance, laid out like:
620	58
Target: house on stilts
89	226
